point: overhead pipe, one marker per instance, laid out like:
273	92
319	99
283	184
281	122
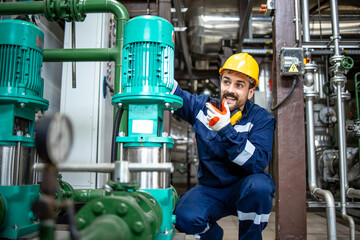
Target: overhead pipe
183	38
244	27
55	10
310	94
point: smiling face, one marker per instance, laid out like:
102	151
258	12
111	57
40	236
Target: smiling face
235	89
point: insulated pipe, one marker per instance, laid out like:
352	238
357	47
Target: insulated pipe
320	193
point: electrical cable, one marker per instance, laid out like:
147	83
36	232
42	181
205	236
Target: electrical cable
288	95
116	128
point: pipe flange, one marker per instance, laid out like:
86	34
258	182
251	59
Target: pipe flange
49	10
311	94
310	67
76	11
345	96
336	58
338	78
69	10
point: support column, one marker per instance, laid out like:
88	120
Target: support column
289	148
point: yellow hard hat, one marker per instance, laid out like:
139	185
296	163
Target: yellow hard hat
243	63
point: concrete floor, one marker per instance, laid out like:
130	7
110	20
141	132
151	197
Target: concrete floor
316	228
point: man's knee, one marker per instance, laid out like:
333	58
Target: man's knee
189	221
258	186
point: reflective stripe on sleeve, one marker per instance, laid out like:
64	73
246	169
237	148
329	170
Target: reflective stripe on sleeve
202	118
252	216
244	128
246	154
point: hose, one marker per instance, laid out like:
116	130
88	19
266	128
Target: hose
116	128
288	95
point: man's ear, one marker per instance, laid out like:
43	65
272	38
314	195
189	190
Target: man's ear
251	92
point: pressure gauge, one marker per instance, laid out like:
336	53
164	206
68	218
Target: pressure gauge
54	137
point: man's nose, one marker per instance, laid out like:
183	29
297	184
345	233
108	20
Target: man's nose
230	88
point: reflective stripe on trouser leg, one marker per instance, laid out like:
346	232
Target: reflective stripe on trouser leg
254	205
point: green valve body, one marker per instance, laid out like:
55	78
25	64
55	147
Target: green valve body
123	216
21	85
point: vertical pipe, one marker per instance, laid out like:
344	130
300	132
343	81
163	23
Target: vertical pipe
310	142
250	32
335	26
164	161
305	20
17	165
320	193
342	153
340	79
73	42
297	32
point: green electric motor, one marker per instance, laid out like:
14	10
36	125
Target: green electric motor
21	95
147	80
21	85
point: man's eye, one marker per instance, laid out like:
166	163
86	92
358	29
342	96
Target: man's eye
239	85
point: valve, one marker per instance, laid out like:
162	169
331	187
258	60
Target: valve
347	63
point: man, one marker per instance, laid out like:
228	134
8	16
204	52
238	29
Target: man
233	157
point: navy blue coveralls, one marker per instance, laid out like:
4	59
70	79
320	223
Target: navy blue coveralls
231	177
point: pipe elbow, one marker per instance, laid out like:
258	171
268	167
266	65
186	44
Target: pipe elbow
352	193
117	9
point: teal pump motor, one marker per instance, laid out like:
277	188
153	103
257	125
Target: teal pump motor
21	95
147	80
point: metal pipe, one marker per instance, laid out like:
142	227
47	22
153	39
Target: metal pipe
351	224
342	153
335	26
183	38
305	20
164	161
257	40
353	193
17	164
320	193
244	27
73	43
257	51
297	21
107	167
9	8
310	143
330	211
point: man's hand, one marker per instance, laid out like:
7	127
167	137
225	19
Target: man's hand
218	119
